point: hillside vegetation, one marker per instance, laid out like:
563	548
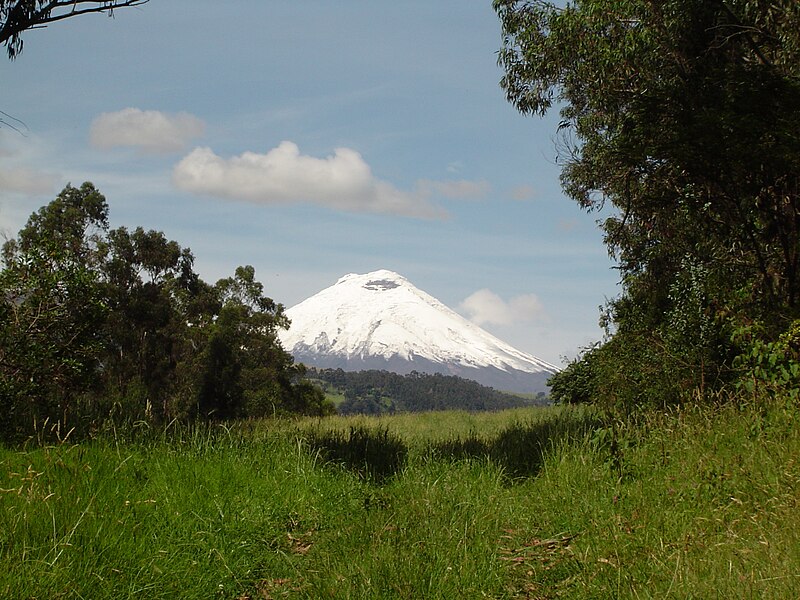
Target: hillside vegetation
376	392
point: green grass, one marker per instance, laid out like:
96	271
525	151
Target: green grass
533	503
701	504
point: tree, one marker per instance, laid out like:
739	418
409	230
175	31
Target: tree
17	16
247	371
99	326
156	302
683	115
51	303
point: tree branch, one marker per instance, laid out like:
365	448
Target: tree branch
75	12
745	31
24	15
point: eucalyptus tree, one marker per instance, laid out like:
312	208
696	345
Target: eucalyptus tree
154	296
683	115
246	371
51	311
99	324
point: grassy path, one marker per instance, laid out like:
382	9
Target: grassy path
701	504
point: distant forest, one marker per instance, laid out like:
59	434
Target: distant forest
381	392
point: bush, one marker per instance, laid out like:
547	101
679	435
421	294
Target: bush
772	367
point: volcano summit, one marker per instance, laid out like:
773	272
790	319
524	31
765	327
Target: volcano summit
381	321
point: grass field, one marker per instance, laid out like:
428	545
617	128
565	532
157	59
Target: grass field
535	503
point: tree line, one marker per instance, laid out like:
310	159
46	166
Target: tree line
377	392
683	118
102	325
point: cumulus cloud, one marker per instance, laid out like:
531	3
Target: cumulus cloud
150	131
343	181
484	307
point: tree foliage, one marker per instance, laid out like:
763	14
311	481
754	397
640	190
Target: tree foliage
50	341
246	371
683	115
17	16
99	324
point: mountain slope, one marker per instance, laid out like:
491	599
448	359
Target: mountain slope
380	320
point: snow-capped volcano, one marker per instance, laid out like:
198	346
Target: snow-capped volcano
381	321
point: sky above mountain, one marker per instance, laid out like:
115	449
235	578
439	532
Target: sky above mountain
313	139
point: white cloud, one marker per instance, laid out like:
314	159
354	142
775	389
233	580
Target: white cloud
343	181
26	181
151	131
484	307
461	188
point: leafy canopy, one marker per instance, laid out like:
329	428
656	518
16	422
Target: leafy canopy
683	116
103	326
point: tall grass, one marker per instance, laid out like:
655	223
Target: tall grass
525	504
698	503
159	521
373	454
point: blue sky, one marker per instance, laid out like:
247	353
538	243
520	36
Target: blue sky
312	139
